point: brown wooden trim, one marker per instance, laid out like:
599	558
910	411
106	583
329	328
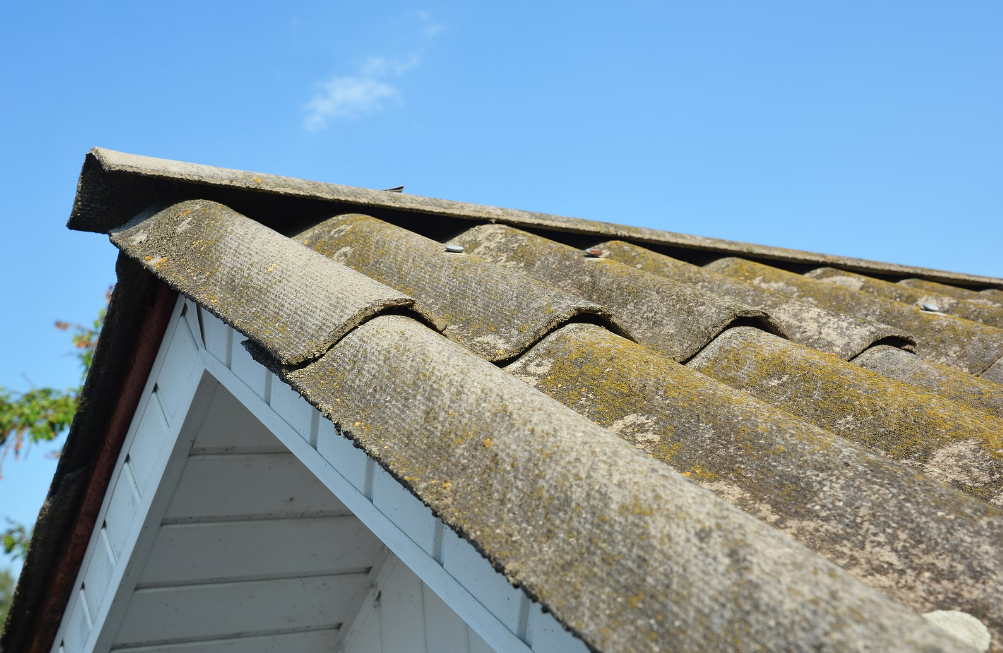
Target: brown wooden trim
63	574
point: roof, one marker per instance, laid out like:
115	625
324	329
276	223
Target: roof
662	438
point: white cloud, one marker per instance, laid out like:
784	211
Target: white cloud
367	91
430	28
347	97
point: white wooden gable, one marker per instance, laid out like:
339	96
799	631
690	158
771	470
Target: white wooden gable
237	519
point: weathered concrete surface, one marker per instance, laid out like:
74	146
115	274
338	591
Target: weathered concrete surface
294	301
804	323
495	312
910	536
675	319
971	391
114	186
966	345
629	554
959	446
946	302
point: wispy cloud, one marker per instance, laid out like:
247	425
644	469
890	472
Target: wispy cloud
369	90
351	96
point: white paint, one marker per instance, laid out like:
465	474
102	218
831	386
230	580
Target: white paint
276	548
403	615
247	486
156	615
245	502
314	640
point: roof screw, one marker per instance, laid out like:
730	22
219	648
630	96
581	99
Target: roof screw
933	308
593	252
454	249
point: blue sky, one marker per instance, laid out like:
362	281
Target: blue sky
861	129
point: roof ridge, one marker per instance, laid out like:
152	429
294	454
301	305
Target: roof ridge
114	186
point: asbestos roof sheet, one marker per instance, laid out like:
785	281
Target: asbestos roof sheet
726	456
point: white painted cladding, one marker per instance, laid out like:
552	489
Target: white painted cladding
197	518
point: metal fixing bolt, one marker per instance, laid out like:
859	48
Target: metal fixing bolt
593	252
454	249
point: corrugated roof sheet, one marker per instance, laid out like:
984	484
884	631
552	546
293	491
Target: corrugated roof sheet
716	457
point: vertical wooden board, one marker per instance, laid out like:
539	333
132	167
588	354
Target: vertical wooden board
402	615
78	627
477	645
308	642
256	377
409	514
549	636
164	615
192	316
343	455
367	638
217	336
149	445
249	486
444	630
180	361
472	570
292	408
122	510
199	553
229	427
99	570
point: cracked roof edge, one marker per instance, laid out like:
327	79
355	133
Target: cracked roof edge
114	186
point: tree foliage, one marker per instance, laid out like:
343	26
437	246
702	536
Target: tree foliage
42	415
6	594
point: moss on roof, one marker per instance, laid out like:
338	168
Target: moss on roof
971	391
947	303
955	444
830	495
968	346
992	298
675	319
805	323
629	554
292	300
495	312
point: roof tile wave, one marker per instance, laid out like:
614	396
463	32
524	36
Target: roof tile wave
571	512
674	319
968	346
959	446
873	516
293	301
495	313
805	323
945	302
